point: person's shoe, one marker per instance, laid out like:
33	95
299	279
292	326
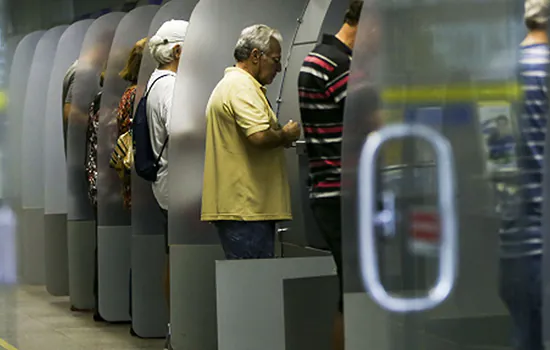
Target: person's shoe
168	343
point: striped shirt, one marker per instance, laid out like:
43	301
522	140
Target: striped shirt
521	231
322	86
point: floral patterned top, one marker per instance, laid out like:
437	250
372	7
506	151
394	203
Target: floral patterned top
91	149
124	116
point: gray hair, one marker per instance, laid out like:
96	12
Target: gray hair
162	50
171	34
258	37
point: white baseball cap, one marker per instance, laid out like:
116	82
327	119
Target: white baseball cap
173	31
537	10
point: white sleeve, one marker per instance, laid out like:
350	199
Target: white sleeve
167	105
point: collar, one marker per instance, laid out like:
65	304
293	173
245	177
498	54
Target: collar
164	72
237	70
332	40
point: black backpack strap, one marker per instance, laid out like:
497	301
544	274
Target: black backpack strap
162	150
146	95
154	82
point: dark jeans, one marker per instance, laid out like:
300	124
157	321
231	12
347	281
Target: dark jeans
521	291
247	239
328	215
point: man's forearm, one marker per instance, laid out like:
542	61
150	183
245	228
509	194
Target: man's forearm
269	139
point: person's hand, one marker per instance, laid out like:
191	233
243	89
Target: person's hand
292	131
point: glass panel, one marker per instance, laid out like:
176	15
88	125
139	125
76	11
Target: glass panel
34	122
450	66
146	218
92	61
210	32
311	21
55	174
132	28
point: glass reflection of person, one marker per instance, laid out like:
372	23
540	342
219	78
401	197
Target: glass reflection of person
125	109
77	98
520	234
501	141
245	186
166	48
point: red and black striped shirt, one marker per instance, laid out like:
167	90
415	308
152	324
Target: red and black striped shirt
322	87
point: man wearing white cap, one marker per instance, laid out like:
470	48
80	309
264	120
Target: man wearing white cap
521	230
166	48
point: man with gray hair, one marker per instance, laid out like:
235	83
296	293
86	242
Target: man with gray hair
245	190
521	232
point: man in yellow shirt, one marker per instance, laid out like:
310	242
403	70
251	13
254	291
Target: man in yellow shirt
245	189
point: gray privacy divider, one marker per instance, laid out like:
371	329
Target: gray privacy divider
20	69
114	224
9	52
320	16
32	158
80	214
208	50
149	311
246	288
55	164
309	317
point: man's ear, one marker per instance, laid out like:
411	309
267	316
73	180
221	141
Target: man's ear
177	52
256	55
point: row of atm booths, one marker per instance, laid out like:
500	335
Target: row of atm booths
288	302
56	224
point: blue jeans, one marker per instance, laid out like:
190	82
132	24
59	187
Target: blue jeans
521	291
247	239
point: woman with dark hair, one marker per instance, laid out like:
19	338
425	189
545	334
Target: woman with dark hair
125	110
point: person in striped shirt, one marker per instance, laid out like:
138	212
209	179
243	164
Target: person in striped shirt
322	87
520	233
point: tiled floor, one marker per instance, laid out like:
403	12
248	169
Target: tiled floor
31	319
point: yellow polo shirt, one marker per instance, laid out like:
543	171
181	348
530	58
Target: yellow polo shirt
241	181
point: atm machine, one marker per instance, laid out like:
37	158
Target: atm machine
421	213
301	236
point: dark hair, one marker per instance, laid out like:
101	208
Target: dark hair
533	25
353	14
131	70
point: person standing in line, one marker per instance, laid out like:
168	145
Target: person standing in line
166	48
125	111
322	87
245	186
520	233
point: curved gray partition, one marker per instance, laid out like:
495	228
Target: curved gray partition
302	230
20	69
55	174
32	157
149	312
208	50
114	222
9	52
81	225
